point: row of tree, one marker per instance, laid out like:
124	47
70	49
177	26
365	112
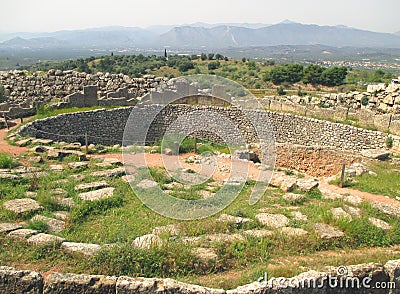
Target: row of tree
311	74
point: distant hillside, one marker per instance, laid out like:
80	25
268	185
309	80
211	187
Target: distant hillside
280	34
201	35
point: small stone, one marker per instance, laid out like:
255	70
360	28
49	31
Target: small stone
91	186
233	219
53	224
45	239
292	198
32	195
339	213
128	178
77	177
56	167
325	231
258	233
307	185
61	215
113	161
372	174
168	229
380	224
78	165
8	227
272	220
83	248
22	233
147	184
20	206
147	241
35	159
353	200
116	172
288	184
97	194
355	212
297	215
293	232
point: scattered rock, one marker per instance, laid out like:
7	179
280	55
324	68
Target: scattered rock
355	212
61	215
32	195
20	206
293	232
288	184
116	172
372	174
97	194
66	202
35	159
91	186
8	176
77	177
376	154
171	229
297	215
338	213
380	224
45	239
23	142
292	198
325	231
56	167
8	227
22	233
83	248
386	208
233	219
128	178
78	165
258	233
272	220
307	185
53	224
147	241
147	184
353	200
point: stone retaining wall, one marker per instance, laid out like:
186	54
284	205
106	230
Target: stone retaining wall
107	127
25	281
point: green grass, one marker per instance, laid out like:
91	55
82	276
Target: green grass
7	161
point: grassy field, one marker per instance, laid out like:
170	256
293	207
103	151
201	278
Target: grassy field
123	217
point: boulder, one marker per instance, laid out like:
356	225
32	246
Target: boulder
20	206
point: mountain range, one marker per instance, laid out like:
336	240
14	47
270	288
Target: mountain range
201	35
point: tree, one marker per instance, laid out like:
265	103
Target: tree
214	65
312	74
334	76
203	56
219	56
211	56
289	73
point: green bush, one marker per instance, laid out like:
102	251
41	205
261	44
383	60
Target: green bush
389	142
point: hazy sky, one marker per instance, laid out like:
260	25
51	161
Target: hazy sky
52	15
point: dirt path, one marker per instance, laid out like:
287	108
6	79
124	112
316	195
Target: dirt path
7	148
324	185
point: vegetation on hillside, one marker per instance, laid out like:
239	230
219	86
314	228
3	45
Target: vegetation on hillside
251	74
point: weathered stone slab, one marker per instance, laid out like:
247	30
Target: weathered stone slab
116	172
20	206
258	233
8	176
233	219
339	213
22	233
172	229
45	239
83	248
56	167
380	224
20	282
325	231
297	215
147	184
386	208
57	283
61	215
375	154
78	165
128	178
306	185
354	200
291	197
8	227
293	232
205	253
54	225
97	194
147	241
90	186
272	220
